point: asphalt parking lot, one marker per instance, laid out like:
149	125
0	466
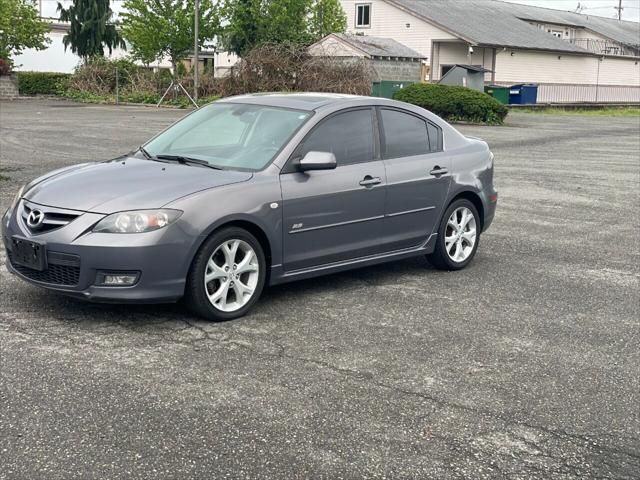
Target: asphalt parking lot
524	365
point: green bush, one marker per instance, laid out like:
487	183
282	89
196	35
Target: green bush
454	103
42	83
140	97
100	75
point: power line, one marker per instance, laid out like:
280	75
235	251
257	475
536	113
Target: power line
619	8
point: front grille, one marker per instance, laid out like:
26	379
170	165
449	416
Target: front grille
53	218
66	272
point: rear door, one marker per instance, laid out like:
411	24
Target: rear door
335	215
418	176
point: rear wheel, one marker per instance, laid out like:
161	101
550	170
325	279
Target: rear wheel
458	237
227	275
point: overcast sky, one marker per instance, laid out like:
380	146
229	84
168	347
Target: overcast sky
603	8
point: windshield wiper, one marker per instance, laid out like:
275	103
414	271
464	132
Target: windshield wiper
185	160
145	153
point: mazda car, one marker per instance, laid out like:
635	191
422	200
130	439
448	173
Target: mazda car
251	191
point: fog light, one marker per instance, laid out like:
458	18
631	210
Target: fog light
117	279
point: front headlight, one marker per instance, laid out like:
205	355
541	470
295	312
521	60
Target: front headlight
17	198
14	204
137	221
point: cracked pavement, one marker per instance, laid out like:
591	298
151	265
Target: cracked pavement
525	365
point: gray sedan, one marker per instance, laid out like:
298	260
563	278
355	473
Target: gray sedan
251	191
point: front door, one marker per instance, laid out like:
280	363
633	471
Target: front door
418	177
335	215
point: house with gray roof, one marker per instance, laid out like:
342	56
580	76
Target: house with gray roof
389	59
573	57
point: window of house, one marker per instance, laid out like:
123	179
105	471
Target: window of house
363	15
556	33
348	135
405	135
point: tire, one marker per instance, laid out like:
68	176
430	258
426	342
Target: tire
227	292
446	255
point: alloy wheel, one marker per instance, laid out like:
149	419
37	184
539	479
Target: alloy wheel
460	234
231	276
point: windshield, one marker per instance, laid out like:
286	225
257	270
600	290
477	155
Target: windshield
230	135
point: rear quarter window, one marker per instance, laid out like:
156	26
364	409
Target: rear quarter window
435	137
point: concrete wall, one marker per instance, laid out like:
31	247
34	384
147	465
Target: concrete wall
389	21
8	87
404	71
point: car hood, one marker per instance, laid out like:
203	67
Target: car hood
127	183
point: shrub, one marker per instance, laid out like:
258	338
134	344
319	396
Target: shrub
139	97
42	83
454	103
5	66
98	75
289	67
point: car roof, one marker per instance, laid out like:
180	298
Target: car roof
302	101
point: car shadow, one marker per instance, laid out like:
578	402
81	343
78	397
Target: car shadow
60	307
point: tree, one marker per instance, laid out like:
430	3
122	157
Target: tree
286	21
166	27
20	28
91	28
252	22
244	25
327	16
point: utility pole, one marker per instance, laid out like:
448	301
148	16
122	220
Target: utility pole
619	8
195	50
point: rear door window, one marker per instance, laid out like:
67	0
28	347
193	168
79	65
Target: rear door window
405	135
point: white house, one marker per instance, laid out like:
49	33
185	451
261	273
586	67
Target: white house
55	58
573	57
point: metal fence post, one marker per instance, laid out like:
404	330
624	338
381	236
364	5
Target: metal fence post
117	87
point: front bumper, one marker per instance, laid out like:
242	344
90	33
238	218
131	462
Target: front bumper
75	256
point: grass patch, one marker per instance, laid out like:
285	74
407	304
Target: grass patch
135	97
591	112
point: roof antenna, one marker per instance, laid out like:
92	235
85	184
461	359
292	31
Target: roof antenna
579	8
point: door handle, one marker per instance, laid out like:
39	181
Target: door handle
437	171
370	181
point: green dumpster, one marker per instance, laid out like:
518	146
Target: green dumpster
498	92
386	88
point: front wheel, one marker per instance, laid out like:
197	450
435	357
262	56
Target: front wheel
458	237
227	275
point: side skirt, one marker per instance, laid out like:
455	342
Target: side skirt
279	275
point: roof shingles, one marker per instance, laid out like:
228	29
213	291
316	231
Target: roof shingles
378	46
497	23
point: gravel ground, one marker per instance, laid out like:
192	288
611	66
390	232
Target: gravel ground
524	365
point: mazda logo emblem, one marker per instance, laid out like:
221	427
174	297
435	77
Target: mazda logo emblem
35	218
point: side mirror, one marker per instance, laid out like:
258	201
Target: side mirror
317	161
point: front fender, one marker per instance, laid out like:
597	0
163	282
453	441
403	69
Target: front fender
257	201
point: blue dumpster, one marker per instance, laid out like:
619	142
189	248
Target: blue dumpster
523	94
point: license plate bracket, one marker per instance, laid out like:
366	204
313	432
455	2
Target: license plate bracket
28	253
